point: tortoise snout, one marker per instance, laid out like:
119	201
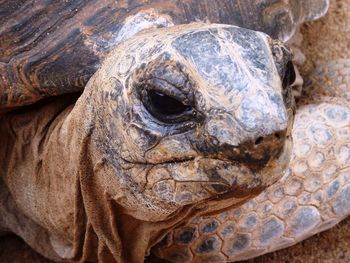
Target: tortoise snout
257	153
229	142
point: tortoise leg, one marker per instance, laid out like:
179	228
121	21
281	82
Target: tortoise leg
313	195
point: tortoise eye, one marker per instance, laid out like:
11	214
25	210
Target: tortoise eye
289	75
166	108
165	105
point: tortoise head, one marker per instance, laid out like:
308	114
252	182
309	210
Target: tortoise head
194	113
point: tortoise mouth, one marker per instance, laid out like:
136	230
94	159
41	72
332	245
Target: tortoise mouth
254	164
200	178
250	162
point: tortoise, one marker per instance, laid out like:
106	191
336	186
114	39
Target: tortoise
124	120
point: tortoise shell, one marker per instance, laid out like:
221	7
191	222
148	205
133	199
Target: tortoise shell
49	48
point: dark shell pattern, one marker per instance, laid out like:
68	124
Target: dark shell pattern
50	47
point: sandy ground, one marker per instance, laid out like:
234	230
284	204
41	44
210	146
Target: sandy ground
324	40
328	38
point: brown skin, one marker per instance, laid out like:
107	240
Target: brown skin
87	173
273	196
32	80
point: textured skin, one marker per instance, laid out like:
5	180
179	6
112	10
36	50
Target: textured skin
312	196
80	174
30	257
57	45
84	173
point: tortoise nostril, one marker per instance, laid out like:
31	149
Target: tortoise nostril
259	140
278	135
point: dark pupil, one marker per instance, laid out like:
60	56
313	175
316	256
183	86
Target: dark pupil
289	75
165	105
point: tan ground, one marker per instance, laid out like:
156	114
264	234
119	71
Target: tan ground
324	40
329	37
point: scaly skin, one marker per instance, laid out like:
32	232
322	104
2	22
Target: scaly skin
313	195
80	174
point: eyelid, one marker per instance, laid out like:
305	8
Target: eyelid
163	86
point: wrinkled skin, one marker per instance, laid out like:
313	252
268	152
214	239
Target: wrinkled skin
230	136
130	161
